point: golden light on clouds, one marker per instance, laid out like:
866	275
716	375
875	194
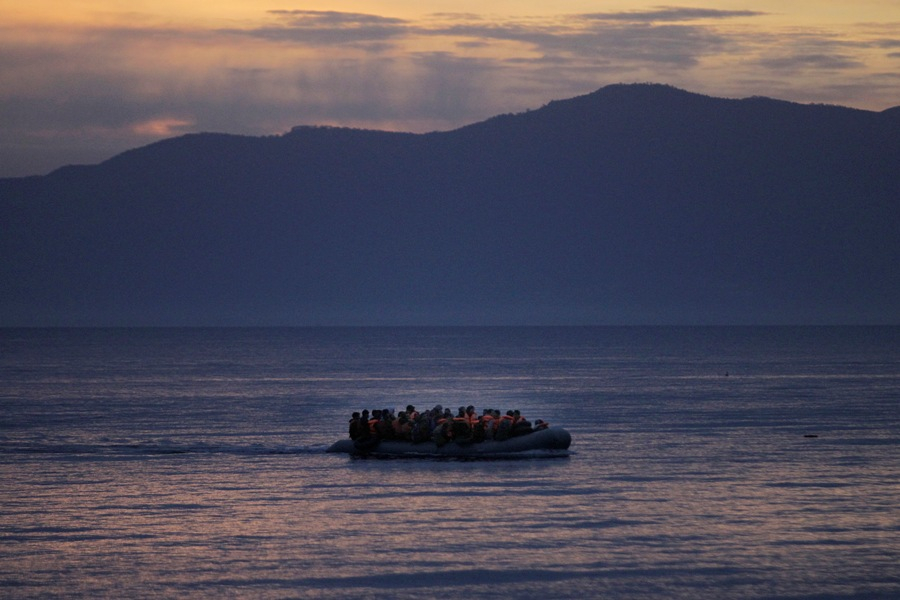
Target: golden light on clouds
240	66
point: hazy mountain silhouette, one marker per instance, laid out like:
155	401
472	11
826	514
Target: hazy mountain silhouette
633	204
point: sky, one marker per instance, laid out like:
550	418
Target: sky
82	80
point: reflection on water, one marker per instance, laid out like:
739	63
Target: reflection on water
205	481
274	525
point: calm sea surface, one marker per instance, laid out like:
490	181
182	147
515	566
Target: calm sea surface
706	463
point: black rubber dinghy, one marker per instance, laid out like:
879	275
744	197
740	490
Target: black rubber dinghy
550	441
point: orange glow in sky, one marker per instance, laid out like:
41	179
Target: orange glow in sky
85	79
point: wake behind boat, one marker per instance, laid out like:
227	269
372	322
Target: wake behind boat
437	432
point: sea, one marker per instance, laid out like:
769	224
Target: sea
706	462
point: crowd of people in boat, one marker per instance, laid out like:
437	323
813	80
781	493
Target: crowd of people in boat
439	425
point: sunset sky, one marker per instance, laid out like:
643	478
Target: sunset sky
81	80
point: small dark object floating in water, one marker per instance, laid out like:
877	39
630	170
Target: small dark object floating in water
810	435
549	442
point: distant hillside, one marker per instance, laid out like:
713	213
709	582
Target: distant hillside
634	204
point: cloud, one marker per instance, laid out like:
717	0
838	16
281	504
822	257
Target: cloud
814	51
585	36
332	18
796	62
118	85
582	39
670	45
671	14
887	43
326	28
162	127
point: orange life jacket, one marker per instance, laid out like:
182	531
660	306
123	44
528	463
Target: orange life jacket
461	420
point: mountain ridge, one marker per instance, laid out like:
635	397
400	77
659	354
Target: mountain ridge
635	204
635	92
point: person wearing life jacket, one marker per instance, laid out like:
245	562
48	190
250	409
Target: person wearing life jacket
505	426
476	424
488	423
471	417
521	425
385	427
355	424
433	415
411	413
540	424
395	422
460	429
421	430
373	422
401	426
440	425
441	434
363	432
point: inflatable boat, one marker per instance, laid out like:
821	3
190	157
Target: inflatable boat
553	441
